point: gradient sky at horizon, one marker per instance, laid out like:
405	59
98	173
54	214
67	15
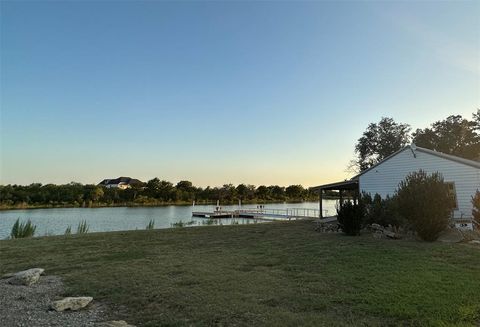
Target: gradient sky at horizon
222	92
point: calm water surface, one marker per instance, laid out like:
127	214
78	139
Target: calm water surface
55	221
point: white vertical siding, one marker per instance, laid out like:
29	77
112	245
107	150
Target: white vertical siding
384	178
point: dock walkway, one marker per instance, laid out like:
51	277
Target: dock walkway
264	214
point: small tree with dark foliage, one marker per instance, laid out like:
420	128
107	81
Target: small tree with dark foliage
382	211
350	217
424	200
476	207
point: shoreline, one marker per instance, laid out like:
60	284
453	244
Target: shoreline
144	205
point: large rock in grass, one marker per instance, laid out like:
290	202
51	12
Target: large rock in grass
451	235
26	277
71	303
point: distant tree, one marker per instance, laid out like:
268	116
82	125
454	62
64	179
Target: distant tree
228	192
166	190
295	192
93	193
476	119
152	188
454	135
379	141
262	192
242	191
185	190
277	192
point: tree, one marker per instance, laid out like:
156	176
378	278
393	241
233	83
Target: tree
277	192
93	193
242	191
476	119
262	192
153	188
379	141
426	203
476	207
295	192
454	135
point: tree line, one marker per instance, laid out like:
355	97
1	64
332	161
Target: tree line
153	192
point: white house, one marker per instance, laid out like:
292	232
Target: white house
120	182
383	178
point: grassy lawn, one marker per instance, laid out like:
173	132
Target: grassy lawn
278	274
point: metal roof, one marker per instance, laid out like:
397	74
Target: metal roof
350	184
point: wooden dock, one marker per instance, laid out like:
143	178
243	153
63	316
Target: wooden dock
264	214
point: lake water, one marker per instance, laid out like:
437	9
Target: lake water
55	221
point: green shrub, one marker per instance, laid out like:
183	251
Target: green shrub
425	202
68	231
350	217
82	227
476	207
22	230
382	211
179	224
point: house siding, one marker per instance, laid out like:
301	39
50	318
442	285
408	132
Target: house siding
384	178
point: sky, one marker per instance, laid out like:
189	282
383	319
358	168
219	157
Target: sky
222	92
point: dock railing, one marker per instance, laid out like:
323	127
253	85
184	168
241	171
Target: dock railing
284	213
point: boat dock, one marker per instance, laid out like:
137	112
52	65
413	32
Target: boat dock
263	214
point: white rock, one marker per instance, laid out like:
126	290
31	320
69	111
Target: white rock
71	303
26	277
451	235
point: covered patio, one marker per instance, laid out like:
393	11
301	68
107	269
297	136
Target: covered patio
347	188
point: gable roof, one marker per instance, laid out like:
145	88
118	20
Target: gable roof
414	148
126	180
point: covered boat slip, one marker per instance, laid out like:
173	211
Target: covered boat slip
348	188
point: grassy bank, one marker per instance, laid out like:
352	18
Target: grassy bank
278	274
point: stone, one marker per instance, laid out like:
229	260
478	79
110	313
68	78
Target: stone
476	242
71	303
115	323
380	231
451	235
6	276
26	277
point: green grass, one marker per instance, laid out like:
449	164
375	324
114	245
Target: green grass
276	274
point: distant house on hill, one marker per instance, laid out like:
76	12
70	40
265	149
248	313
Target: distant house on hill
462	175
121	182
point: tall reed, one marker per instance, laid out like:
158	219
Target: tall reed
22	229
82	227
151	224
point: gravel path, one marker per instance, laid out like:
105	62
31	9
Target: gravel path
29	306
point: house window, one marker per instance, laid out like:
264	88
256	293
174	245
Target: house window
453	194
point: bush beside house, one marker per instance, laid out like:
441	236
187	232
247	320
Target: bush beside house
421	203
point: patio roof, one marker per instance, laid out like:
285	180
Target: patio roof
351	184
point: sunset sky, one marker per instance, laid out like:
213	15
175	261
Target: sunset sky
222	92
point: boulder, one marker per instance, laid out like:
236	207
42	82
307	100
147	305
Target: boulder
451	235
71	303
115	323
26	277
380	231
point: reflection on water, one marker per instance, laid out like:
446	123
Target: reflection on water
55	221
